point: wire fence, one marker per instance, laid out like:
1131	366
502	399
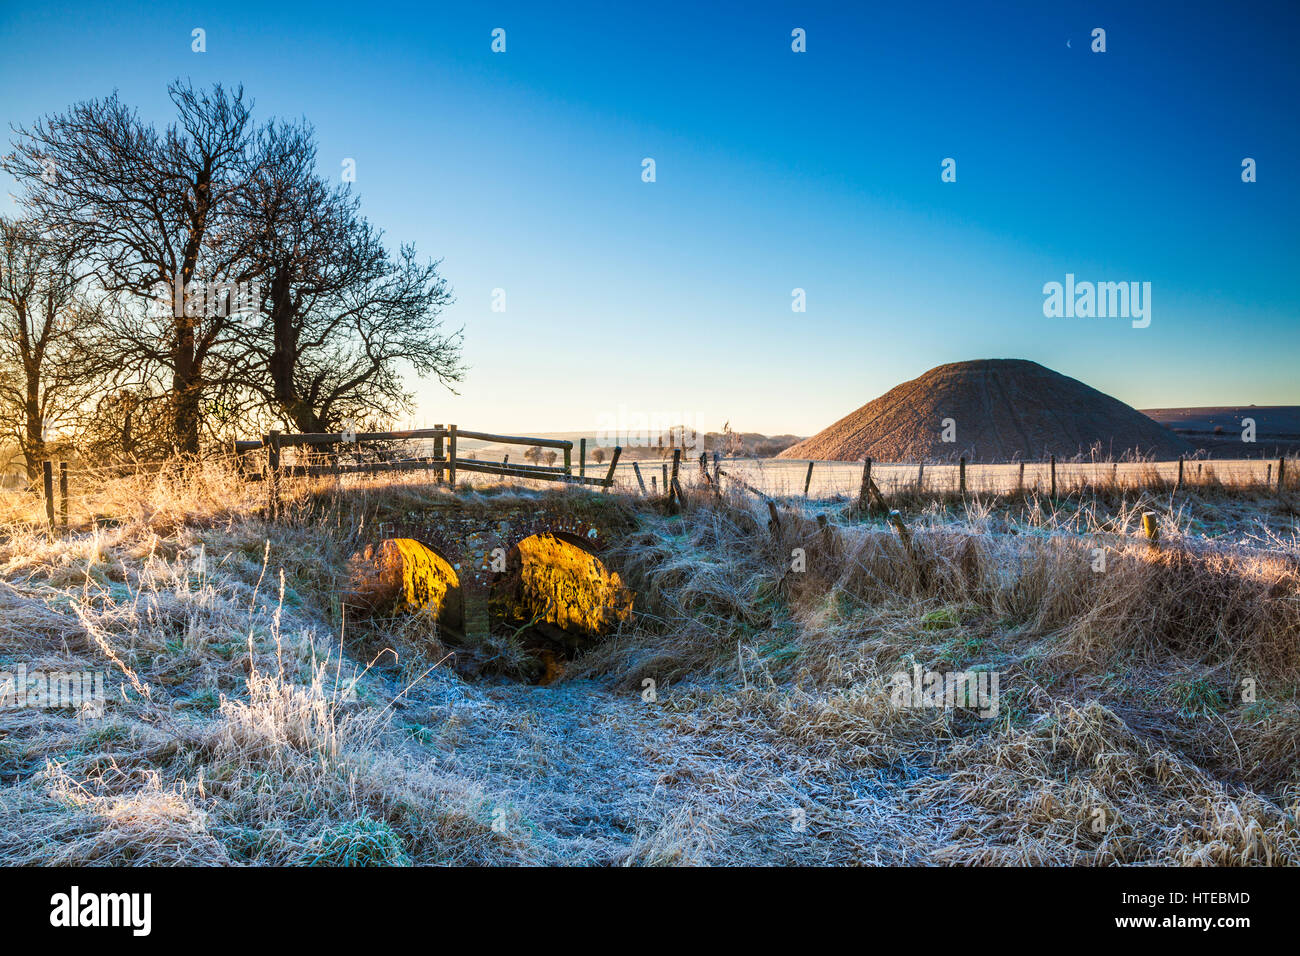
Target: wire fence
780	477
67	494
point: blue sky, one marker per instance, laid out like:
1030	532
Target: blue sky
775	170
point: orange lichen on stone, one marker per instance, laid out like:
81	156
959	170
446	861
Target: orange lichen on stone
567	586
426	578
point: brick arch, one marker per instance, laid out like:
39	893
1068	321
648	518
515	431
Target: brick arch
467	542
429	580
555	578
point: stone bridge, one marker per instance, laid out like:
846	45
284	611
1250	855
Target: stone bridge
537	566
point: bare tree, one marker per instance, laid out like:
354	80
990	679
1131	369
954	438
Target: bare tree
341	313
216	203
44	315
153	213
335	338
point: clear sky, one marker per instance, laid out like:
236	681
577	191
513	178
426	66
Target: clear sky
775	170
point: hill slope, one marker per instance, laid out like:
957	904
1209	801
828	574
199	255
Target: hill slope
1002	409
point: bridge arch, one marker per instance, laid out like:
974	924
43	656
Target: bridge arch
422	579
555	582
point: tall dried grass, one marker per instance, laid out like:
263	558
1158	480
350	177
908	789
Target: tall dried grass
251	722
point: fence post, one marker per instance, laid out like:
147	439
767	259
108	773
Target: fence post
774	519
48	468
1151	528
63	493
961	475
438	454
272	443
582	458
613	463
451	456
1053	477
864	493
807	480
675	488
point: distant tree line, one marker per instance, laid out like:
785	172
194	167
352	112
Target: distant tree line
164	289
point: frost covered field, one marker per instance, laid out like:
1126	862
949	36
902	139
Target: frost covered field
748	712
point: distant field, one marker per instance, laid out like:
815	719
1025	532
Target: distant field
1270	420
786	477
1218	429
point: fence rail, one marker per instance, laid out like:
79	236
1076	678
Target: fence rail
444	462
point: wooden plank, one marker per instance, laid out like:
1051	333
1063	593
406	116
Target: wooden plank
515	440
526	471
539	473
744	484
333	438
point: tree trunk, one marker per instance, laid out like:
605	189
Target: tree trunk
34	447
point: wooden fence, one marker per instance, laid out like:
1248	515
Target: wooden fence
870	482
325	456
